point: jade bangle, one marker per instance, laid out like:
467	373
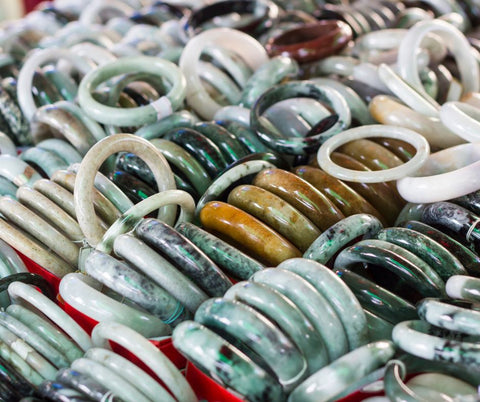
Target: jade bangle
45	160
158	129
419	142
91	163
31	279
62	149
319	133
157	110
340	234
17	171
7	147
463	287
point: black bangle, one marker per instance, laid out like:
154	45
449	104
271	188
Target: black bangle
31	279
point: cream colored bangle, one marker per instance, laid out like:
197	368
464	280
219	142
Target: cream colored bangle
463	119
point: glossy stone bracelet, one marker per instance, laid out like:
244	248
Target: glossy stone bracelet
468	258
29	278
330	381
340	234
188	259
92	162
463	287
411	137
250	331
250	50
83	294
224	362
133	216
342	300
44	160
410	268
311	303
231	175
21	367
301	195
238	227
162	107
319	133
14	118
433	347
461	315
128	282
21	291
62	149
17	171
158	363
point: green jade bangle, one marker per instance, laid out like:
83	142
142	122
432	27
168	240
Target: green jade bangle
62	149
321	132
464	287
224	362
151	113
159	128
251	332
245	135
45	160
32	279
378	328
432	252
62	82
332	380
404	264
340	297
340	234
17	123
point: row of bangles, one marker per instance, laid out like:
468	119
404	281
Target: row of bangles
281	197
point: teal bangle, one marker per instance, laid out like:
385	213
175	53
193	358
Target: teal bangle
378	300
62	149
340	234
404	264
464	287
47	161
64	84
245	135
159	128
340	297
225	363
378	328
155	111
332	380
432	252
257	337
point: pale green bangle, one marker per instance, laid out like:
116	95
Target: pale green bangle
151	113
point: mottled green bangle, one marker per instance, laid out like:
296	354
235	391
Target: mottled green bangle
17	171
46	160
404	264
330	381
245	135
7	188
251	332
378	328
31	279
14	118
162	107
378	300
464	287
62	82
62	149
224	362
432	252
340	234
159	128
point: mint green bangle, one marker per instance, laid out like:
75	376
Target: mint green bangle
151	113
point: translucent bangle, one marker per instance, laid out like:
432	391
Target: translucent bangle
463	119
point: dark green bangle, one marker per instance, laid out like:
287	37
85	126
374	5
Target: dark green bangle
135	189
470	201
64	84
31	279
245	135
43	91
158	129
377	299
13	116
469	259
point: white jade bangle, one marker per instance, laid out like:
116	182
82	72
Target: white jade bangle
120	387
420	102
20	291
146	352
92	161
79	291
135	214
36	60
17	171
7	147
463	119
251	51
418	141
129	371
92	11
238	114
456	43
447	174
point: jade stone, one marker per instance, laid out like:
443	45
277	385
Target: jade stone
62	149
404	264
202	148
224	362
271	157
85	384
240	323
123	279
458	221
8	188
187	257
136	166
287	316
161	127
18	124
135	189
182	184
58	391
468	258
313	305
9	374
470	201
376	299
231	260
378	328
46	160
340	297
340	234
245	135
330	381
464	287
232	149
64	84
458	317
432	252
21	366
43	91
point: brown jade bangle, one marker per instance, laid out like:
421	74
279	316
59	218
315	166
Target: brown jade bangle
311	42
301	195
400	148
341	195
243	230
